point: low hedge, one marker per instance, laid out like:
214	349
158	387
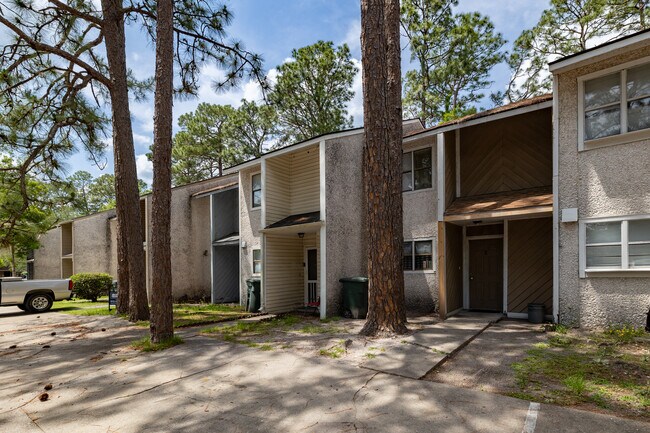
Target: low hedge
91	285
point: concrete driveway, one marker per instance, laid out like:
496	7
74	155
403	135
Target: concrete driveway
100	385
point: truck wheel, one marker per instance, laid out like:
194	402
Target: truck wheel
38	303
21	306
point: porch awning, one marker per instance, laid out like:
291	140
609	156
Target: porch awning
231	239
296	223
525	202
216	189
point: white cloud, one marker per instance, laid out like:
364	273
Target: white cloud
353	36
144	168
355	106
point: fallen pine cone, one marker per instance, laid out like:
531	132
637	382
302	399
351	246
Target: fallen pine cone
103	329
47	387
44	396
47	346
53	334
13	346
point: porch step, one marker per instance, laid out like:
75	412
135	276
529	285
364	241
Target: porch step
430	347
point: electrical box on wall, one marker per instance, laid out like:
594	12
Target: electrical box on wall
570	215
243	244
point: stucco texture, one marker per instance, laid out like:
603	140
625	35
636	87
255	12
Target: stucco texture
420	211
91	243
250	223
346	245
47	259
600	182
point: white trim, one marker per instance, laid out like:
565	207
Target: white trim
292	148
263	279
592	55
482	237
250	182
306	271
323	229
622	271
412	153
480	120
458	163
623	137
212	236
263	173
556	203
505	266
239	253
440	164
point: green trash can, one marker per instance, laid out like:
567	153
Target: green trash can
355	297
253	304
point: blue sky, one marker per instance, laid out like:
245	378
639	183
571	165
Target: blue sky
273	28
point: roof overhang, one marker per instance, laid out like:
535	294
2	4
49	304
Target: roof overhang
215	190
294	229
599	52
528	203
480	120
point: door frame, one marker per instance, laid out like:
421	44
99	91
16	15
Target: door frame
306	276
466	240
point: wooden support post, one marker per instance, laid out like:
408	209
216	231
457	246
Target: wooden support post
442	271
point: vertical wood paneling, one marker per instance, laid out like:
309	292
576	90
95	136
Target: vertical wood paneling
454	271
530	264
276	190
305	181
506	155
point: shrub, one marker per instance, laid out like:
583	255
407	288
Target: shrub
91	285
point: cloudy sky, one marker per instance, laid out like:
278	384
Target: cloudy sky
273	28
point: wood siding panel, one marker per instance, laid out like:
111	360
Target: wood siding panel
276	187
450	168
454	266
283	273
506	155
530	264
305	181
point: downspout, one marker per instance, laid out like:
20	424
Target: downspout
556	201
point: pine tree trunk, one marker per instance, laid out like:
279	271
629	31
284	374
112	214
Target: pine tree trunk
130	253
382	103
161	287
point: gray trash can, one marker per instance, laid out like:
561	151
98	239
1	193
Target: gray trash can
253	304
536	313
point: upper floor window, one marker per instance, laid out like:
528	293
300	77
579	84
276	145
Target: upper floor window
257	261
617	244
256	188
616	103
416	170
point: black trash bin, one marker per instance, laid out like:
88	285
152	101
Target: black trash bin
536	313
253	304
355	297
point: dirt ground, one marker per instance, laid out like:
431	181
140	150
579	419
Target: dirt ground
486	363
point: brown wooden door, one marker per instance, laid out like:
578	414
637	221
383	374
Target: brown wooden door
486	274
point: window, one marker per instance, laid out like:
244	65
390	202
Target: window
617	245
416	170
256	187
617	103
257	261
418	256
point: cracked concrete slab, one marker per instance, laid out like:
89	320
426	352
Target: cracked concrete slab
407	360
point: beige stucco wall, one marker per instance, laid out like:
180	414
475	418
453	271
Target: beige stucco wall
346	249
602	182
250	223
91	243
47	259
420	212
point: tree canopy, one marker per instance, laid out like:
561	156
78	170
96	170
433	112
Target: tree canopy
454	54
312	91
565	28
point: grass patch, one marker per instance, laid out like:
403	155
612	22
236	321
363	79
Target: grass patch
335	351
145	345
83	307
608	370
203	314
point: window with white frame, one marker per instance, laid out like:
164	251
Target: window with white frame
617	103
416	170
418	256
617	245
256	188
257	261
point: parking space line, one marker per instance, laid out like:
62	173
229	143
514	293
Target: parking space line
531	418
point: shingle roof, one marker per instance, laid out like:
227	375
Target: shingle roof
502	201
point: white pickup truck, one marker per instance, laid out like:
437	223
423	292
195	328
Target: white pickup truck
33	296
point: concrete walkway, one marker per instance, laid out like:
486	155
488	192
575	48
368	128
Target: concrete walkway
430	347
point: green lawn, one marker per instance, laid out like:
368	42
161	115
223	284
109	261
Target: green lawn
609	370
184	314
